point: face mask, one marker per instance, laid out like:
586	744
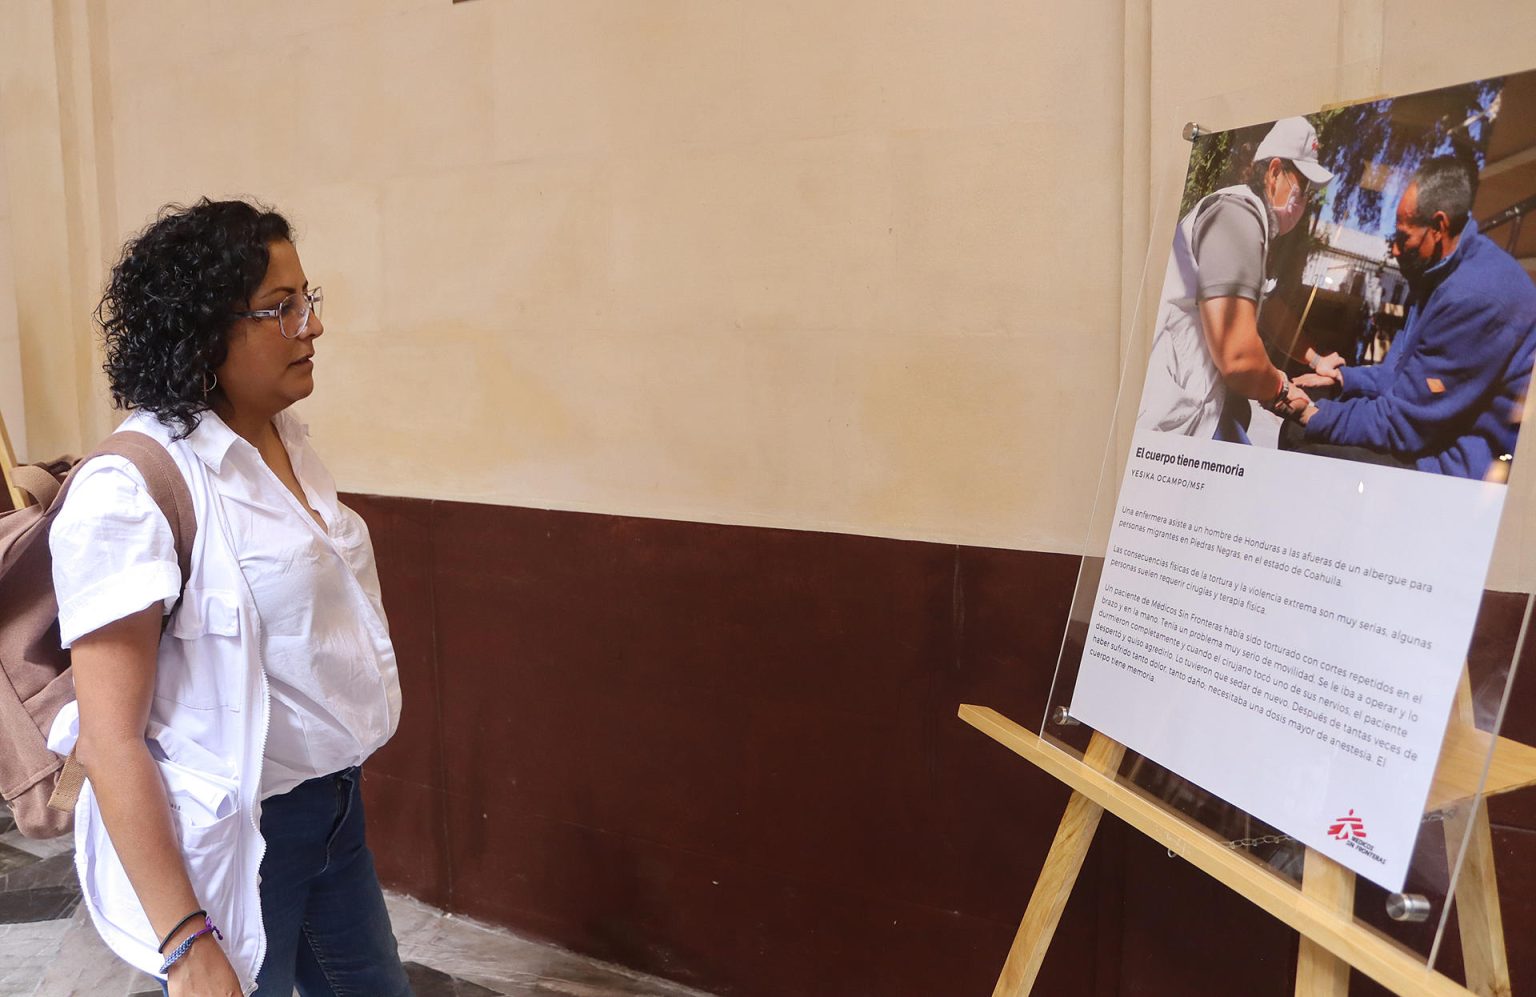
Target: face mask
1289	213
1415	262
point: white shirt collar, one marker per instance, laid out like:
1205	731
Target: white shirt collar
212	438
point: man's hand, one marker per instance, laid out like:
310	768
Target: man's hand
1325	369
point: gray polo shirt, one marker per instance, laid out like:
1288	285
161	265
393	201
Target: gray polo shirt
1228	244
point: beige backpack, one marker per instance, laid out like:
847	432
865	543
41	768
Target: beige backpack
39	786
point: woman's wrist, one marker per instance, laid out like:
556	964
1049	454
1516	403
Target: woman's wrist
180	935
182	929
190	944
1282	390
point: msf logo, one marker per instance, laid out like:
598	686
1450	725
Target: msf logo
1347	828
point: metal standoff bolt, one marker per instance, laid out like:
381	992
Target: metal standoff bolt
1061	718
1408	907
1192	131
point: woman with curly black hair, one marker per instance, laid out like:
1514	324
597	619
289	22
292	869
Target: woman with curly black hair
221	717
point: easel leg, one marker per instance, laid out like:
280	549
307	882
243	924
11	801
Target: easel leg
7	463
1477	906
1320	973
1063	863
1477	891
1330	922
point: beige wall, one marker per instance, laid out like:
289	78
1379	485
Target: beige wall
859	266
54	227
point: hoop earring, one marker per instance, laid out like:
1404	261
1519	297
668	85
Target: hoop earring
207	388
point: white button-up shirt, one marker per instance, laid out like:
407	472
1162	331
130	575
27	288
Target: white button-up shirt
334	691
275	667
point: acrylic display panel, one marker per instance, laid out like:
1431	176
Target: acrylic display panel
1337	289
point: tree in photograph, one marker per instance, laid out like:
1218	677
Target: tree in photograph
1366	146
1371	147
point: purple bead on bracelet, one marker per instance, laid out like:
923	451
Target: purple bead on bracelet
186	946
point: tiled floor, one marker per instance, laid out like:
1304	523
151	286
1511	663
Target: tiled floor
49	949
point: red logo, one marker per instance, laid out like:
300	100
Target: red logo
1346	828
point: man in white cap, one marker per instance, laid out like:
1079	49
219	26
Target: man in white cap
1207	343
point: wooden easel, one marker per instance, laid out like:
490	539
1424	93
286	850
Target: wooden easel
1322	908
7	465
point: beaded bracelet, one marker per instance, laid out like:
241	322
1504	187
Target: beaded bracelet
179	925
186	946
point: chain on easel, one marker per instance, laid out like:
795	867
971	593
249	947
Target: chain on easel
1408	907
1264	839
1438	817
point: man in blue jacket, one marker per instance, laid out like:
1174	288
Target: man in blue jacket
1448	396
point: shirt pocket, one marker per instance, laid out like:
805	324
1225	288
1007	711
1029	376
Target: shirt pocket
203	633
205	807
206	780
206	814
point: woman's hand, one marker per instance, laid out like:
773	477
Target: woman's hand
1296	402
204	972
1316	380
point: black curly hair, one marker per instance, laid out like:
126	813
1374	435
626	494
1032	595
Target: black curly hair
171	299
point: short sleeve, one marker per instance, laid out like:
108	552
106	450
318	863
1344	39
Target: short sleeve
1228	244
113	550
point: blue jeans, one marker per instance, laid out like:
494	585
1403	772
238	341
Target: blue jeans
328	931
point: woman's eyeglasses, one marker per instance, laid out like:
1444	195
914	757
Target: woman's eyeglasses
292	313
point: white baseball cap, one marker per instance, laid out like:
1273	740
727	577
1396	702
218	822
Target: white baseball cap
1296	140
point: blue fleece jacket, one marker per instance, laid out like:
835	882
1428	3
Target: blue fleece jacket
1448	394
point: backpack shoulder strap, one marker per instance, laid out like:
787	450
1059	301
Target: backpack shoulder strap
38	483
163	480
